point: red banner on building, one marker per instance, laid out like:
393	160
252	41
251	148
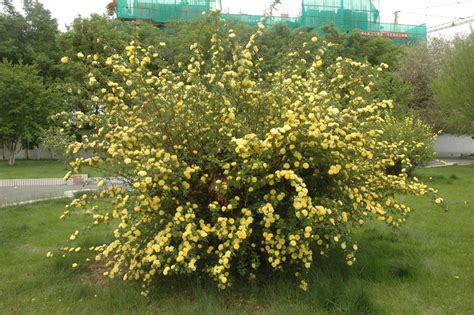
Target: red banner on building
386	34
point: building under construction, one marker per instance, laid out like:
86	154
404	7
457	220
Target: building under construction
347	15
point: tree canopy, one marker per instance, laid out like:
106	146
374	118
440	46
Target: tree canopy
453	88
25	104
29	38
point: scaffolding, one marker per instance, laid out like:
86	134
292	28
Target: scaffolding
163	11
347	15
360	15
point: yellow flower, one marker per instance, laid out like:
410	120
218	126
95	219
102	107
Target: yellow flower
80	55
67	176
75	265
439	200
334	169
304	285
64	60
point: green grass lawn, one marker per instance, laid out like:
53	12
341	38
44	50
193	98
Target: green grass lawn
426	267
37	169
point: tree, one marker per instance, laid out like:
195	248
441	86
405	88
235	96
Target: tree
25	104
375	50
29	38
452	89
418	67
41	33
12	35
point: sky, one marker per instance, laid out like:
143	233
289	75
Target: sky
430	12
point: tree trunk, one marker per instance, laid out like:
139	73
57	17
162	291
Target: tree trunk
12	159
13	151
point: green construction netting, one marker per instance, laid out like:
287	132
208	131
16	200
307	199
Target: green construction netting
163	11
347	15
350	15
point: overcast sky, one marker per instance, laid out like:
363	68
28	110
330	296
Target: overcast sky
431	12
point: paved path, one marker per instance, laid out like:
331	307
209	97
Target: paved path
447	162
11	195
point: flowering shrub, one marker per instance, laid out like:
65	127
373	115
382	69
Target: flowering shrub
229	168
414	140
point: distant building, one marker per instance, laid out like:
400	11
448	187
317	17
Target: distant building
347	15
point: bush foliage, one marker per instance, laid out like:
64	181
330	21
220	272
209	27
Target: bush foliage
230	169
414	140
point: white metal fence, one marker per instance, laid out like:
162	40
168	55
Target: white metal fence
30	154
76	180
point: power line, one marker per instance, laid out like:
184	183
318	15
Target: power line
431	15
451	24
436	6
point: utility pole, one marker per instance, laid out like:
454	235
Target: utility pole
396	16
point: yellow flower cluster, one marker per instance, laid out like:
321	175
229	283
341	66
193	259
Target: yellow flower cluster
229	168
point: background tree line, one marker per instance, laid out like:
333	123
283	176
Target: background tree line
430	81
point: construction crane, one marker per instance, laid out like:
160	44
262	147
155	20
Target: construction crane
444	26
